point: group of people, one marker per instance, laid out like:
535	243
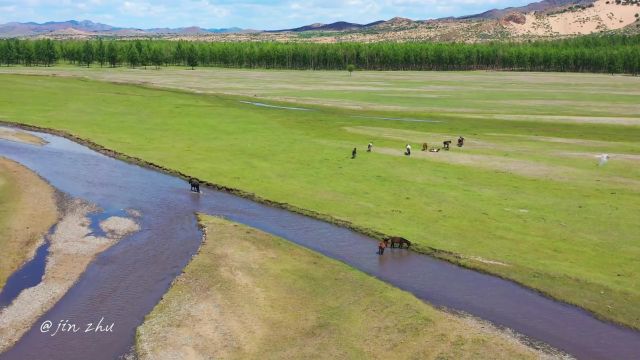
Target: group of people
354	152
407	149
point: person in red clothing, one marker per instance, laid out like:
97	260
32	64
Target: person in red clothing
381	246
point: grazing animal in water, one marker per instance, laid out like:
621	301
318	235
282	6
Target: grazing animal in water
399	241
446	144
460	141
425	147
195	185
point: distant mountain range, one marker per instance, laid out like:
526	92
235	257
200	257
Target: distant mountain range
552	19
495	14
16	29
336	26
543	5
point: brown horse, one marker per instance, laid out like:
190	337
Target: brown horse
399	241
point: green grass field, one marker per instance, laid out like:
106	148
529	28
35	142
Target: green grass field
524	198
457	94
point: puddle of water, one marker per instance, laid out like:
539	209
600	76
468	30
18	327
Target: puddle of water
29	275
126	281
274	106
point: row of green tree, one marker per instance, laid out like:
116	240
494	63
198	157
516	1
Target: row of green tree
605	54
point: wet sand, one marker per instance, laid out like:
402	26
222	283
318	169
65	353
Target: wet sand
72	248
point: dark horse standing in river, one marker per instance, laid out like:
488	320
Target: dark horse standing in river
399	241
195	185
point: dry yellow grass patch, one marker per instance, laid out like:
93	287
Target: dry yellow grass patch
27	211
249	295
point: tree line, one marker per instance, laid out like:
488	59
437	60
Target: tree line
596	53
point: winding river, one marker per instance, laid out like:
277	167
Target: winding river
126	281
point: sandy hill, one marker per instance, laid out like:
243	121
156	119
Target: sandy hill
601	15
569	18
543	5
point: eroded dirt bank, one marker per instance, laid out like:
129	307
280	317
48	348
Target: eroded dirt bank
72	248
27	210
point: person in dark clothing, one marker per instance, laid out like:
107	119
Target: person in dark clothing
460	141
369	147
354	153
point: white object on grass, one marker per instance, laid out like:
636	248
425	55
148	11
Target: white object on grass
603	159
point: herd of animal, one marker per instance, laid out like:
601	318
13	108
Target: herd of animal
425	147
445	145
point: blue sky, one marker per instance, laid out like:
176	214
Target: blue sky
255	14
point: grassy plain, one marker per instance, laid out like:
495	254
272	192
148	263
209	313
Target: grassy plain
533	96
249	295
524	198
27	211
